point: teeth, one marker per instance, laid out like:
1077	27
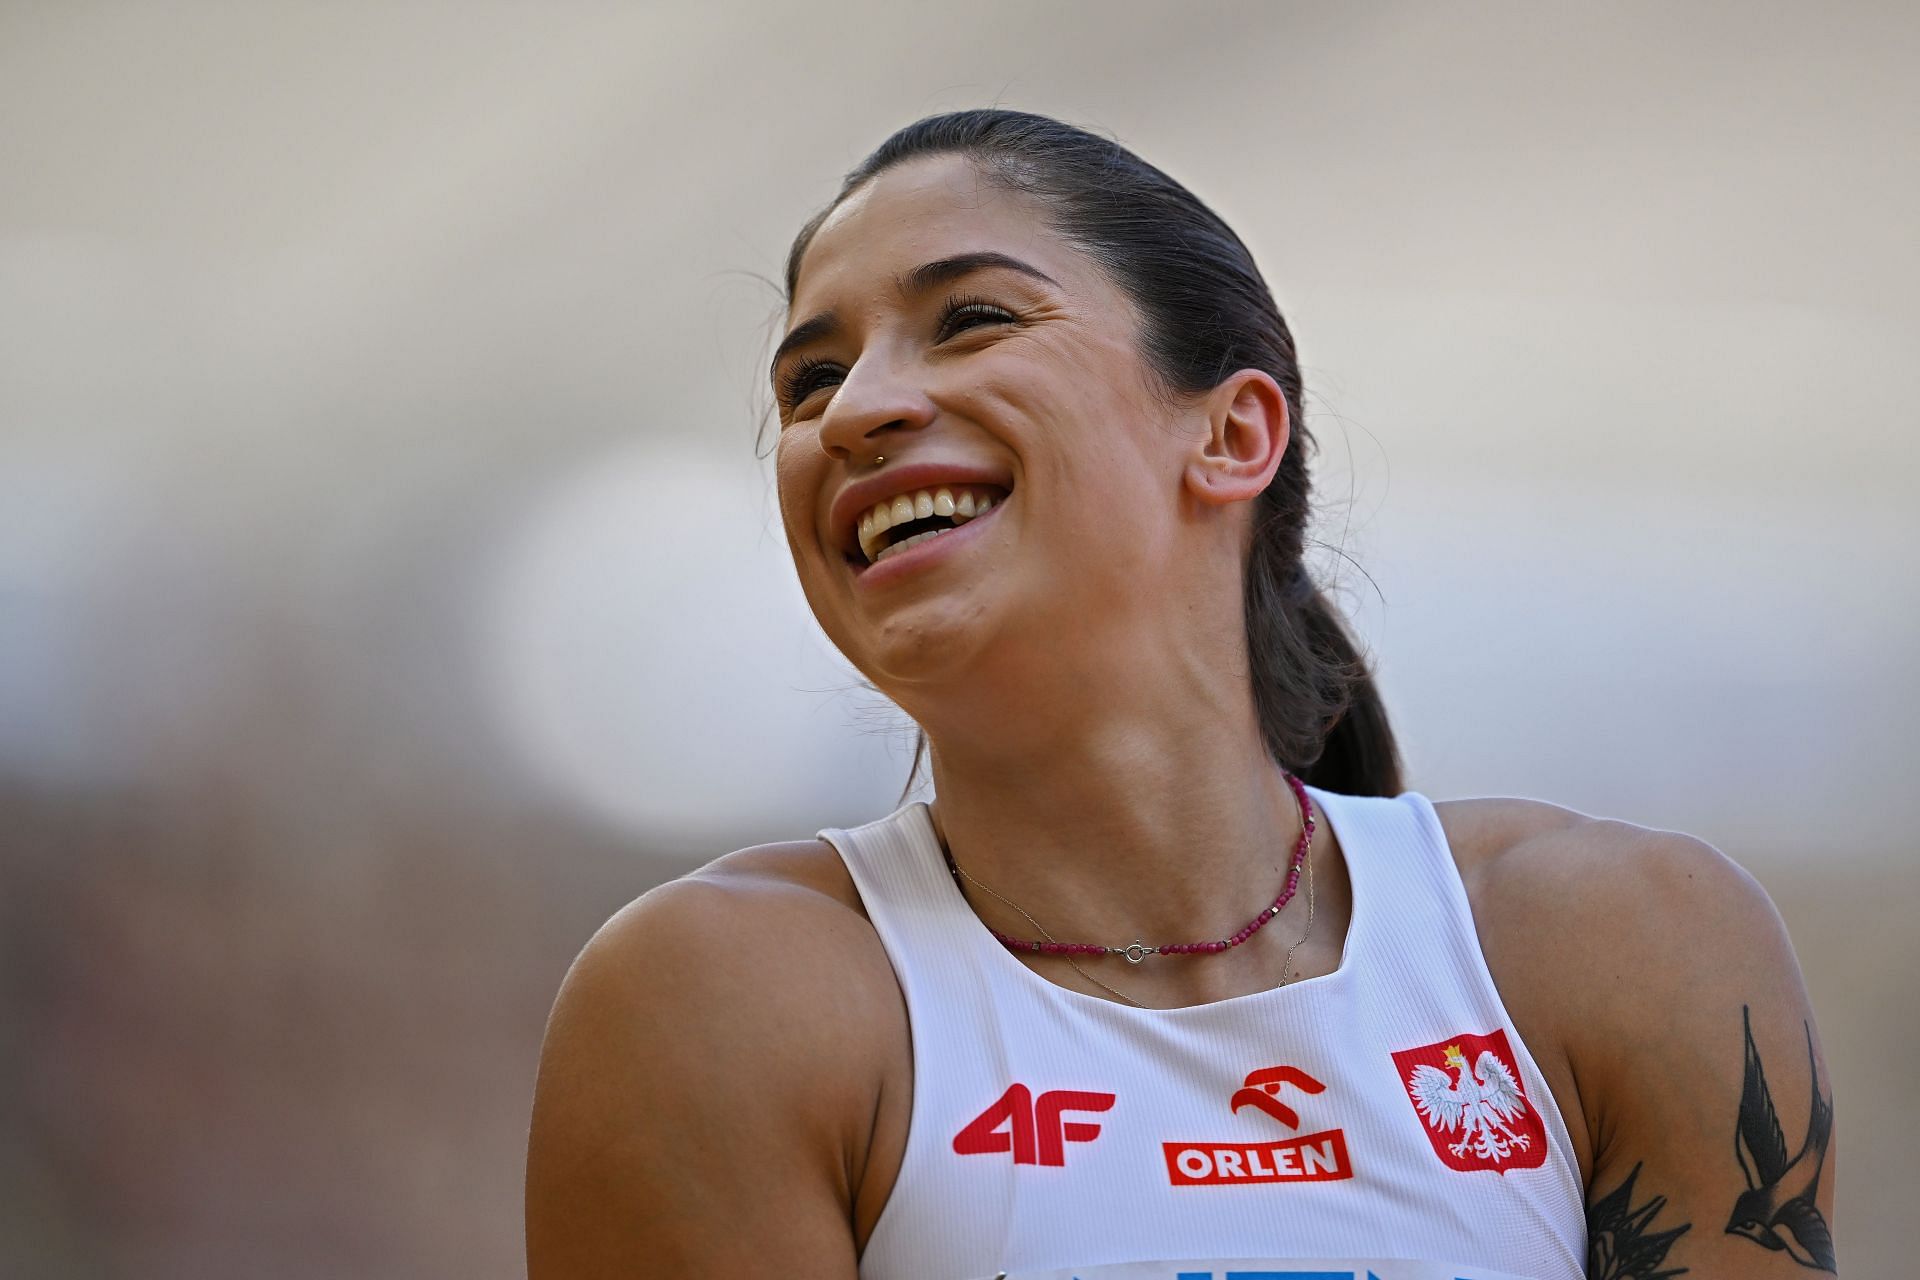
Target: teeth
959	505
901	546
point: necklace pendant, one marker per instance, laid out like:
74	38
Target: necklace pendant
1136	951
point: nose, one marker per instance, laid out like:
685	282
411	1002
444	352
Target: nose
878	400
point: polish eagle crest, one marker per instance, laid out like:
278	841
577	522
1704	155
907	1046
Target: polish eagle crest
1480	1103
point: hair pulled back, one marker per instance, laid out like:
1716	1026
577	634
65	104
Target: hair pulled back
1206	314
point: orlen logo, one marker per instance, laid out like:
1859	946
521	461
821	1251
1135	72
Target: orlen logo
1313	1157
1031	1127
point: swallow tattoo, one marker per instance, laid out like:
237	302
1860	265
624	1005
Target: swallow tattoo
1777	1210
1621	1244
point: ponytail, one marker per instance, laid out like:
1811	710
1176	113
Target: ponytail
1320	711
1352	751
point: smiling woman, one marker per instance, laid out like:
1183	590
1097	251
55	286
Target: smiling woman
1173	977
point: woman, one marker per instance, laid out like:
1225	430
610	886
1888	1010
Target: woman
1172	978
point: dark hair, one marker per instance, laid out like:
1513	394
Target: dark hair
1206	314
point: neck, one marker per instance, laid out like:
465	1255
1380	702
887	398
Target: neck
1161	819
1128	797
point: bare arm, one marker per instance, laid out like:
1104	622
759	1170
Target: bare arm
1708	1107
707	1087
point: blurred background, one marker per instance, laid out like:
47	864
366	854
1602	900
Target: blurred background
390	588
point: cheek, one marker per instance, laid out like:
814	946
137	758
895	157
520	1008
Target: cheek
795	482
1062	384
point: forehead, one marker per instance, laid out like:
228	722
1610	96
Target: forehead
922	210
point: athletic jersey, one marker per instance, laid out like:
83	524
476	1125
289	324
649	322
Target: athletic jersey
1381	1122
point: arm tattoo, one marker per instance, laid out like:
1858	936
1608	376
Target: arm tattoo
1619	1244
1777	1209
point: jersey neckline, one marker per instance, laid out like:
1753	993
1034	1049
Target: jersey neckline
928	843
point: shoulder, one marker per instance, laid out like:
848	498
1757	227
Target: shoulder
1598	886
786	873
731	1029
717	924
767	944
1618	949
1658	978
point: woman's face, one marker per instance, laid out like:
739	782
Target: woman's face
939	323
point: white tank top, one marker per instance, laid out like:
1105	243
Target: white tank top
1383	1121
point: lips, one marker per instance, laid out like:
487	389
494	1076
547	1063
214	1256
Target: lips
912	557
857	498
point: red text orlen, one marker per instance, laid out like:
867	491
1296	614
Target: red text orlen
1313	1157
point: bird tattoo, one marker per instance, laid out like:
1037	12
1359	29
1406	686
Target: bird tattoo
1778	1210
1621	1244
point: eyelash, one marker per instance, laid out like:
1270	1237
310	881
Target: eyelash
796	384
963	304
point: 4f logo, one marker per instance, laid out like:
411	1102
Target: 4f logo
1032	1128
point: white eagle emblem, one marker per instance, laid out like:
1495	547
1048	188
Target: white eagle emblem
1480	1104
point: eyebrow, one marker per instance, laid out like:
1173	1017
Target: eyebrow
929	275
926	276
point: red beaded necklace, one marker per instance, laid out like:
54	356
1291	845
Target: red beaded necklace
1137	951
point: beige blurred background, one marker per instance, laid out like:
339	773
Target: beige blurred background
389	589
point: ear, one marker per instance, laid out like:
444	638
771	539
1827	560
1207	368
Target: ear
1247	431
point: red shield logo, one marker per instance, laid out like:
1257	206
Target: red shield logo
1468	1095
